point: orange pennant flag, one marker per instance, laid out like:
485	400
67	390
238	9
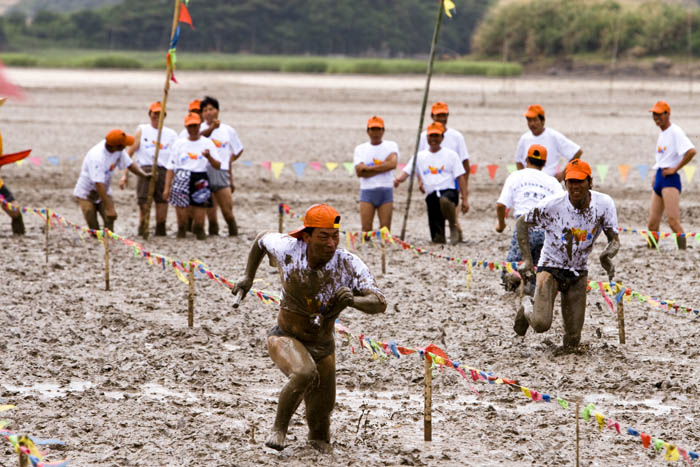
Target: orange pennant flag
492	170
185	15
624	170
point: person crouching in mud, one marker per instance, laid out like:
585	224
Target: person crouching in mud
319	281
572	222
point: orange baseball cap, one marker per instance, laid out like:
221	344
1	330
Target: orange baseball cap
375	122
192	119
155	107
439	108
117	137
577	170
436	128
195	105
537	151
661	107
534	111
320	216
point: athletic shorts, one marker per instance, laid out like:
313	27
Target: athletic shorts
671	181
6	194
218	179
317	351
377	196
565	277
190	189
143	183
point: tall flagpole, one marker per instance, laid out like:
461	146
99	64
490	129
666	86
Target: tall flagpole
161	117
422	115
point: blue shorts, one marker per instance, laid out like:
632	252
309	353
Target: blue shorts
6	194
661	182
377	196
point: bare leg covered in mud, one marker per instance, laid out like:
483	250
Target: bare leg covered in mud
313	382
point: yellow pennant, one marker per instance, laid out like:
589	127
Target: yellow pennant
526	391
469	272
277	168
600	418
449	5
181	276
689	172
331	166
672	454
6	407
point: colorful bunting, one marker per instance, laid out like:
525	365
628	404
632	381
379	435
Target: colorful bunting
492	168
689	171
624	170
185	15
643	169
602	171
299	168
277	168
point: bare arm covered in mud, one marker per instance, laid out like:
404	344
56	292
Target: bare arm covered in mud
255	257
523	236
370	302
609	253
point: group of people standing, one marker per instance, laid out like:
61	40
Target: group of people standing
193	171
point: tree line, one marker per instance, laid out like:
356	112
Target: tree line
319	27
529	30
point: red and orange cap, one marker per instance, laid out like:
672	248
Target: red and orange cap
661	107
195	105
117	137
537	151
320	216
155	107
375	122
577	170
436	128
534	111
193	119
439	108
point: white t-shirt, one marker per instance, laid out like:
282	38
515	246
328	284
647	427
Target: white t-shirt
438	170
147	146
187	154
98	167
671	146
557	145
318	286
453	139
525	188
570	233
371	155
226	141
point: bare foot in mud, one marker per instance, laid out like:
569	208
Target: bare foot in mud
321	446
276	440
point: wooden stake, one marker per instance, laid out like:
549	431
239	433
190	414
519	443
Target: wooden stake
161	117
577	434
23	459
48	227
280	219
105	241
428	411
422	114
621	321
190	296
383	258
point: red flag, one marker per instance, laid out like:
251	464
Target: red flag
185	16
492	170
472	169
17	156
7	88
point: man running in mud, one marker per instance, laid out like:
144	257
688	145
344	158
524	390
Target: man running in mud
318	281
572	222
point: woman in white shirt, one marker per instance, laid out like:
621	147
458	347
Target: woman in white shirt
186	183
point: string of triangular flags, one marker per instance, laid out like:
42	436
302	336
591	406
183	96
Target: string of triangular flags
171	56
28	444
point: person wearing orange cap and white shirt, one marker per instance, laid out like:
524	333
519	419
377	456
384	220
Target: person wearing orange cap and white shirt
6	195
438	168
374	162
522	190
229	149
319	280
93	190
187	183
572	221
673	151
193	107
453	139
143	152
558	146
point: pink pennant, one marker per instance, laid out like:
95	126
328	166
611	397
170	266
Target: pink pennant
315	165
35	160
267	165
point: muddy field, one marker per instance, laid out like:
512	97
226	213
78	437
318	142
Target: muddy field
122	380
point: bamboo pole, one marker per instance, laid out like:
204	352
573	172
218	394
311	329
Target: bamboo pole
161	117
383	257
577	435
621	321
690	55
422	114
428	410
190	296
48	227
23	459
105	241
280	219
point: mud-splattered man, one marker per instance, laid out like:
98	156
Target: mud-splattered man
572	221
318	282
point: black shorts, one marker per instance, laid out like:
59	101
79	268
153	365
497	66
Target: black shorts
6	194
317	351
565	277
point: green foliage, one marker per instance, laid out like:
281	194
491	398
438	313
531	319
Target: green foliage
304	65
19	60
535	28
112	61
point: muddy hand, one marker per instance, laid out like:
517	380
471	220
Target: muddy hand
240	290
342	299
527	271
608	265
